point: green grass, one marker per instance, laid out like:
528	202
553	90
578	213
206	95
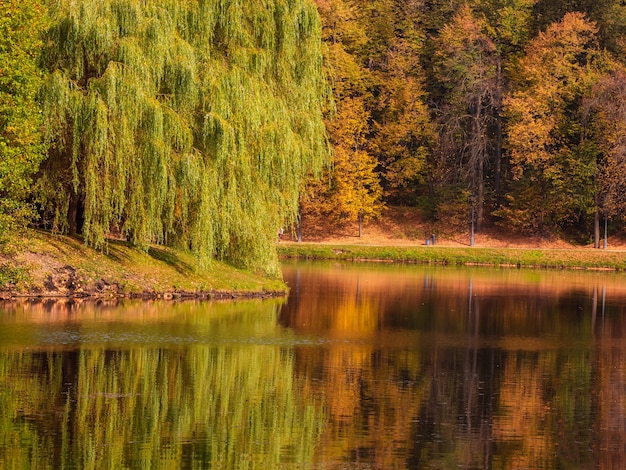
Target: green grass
532	258
43	257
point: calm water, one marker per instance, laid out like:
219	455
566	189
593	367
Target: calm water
365	366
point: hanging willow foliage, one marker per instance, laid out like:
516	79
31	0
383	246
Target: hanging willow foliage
183	122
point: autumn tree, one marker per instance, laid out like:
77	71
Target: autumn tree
467	67
608	15
553	168
186	123
354	193
605	119
431	78
21	148
402	133
350	190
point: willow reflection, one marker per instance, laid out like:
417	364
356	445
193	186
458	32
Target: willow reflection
148	406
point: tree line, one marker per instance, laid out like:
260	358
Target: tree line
210	124
508	112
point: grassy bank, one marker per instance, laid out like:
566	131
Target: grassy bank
53	265
515	257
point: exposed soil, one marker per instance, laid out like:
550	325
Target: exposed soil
54	278
404	226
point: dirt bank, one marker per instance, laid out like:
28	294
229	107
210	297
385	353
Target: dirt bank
58	266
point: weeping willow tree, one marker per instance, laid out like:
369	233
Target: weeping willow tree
188	123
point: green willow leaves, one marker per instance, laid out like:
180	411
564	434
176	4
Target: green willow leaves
186	123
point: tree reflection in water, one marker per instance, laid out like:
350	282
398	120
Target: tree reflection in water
363	367
164	393
472	368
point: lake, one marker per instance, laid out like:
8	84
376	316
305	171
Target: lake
364	366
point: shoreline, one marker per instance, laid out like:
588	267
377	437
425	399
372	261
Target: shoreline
59	267
168	296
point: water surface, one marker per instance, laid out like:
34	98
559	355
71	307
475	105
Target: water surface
363	366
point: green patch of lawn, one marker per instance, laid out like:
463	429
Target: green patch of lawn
562	259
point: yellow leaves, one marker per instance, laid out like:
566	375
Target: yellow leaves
605	112
341	23
349	127
464	48
529	133
403	170
357	189
562	53
354	191
556	63
345	74
554	153
514	22
466	22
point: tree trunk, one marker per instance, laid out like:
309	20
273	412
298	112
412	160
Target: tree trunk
596	228
360	225
498	149
477	162
481	196
72	214
299	223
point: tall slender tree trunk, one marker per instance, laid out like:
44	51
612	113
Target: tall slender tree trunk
360	225
477	161
596	228
498	118
299	223
481	195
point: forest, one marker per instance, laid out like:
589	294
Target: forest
496	112
210	124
